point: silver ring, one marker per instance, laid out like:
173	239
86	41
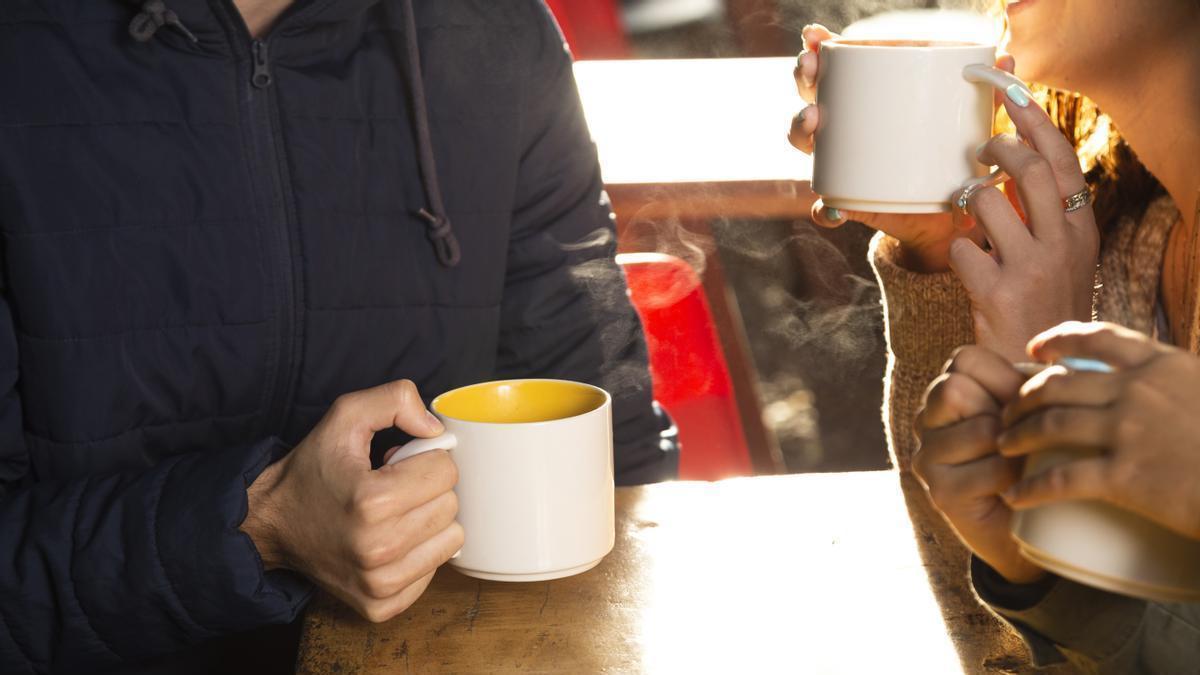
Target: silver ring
964	197
1078	200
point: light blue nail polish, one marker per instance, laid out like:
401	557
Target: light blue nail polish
1080	364
1017	95
832	214
981	147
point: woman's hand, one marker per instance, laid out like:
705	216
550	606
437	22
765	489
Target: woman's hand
924	238
1144	418
958	461
1038	274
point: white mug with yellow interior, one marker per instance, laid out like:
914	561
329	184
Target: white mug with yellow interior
535	487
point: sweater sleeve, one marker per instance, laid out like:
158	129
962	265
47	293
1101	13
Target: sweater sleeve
927	317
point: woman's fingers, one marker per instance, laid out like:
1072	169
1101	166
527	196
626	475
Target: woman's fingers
977	269
992	210
983	477
804	125
807	62
1059	387
993	372
954	397
1035	125
958	443
806	75
830	217
1058	427
1080	479
1036	182
1117	346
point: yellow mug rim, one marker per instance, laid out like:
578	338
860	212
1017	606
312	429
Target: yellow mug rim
606	401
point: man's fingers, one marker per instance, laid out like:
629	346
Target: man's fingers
804	125
1117	346
378	611
392	579
395	404
398	488
392	538
1058	427
1056	386
1080	479
1036	182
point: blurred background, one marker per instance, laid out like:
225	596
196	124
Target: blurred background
808	299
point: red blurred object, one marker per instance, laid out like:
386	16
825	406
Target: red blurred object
592	27
687	365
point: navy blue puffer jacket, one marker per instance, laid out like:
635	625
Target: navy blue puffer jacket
207	238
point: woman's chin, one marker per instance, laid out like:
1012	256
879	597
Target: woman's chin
1030	63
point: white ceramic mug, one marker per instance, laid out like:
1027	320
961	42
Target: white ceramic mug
1098	544
900	122
535	487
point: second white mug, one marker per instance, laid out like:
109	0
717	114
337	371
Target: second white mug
901	120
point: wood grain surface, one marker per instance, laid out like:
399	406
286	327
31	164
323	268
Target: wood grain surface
818	573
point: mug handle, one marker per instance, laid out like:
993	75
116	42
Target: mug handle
446	441
979	73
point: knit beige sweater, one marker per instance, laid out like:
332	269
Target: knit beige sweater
928	315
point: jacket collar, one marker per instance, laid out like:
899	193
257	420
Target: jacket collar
201	16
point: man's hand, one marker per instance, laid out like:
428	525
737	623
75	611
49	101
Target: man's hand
371	537
1144	419
958	459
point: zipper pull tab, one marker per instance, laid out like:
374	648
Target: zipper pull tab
262	66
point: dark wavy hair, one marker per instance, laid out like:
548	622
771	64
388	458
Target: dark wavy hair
1120	182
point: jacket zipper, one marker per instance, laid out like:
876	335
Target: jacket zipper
265	126
271	184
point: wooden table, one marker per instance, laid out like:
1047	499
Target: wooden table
684	143
817	573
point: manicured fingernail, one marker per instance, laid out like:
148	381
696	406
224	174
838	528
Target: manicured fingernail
979	150
800	116
1016	93
1078	363
833	215
435	425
